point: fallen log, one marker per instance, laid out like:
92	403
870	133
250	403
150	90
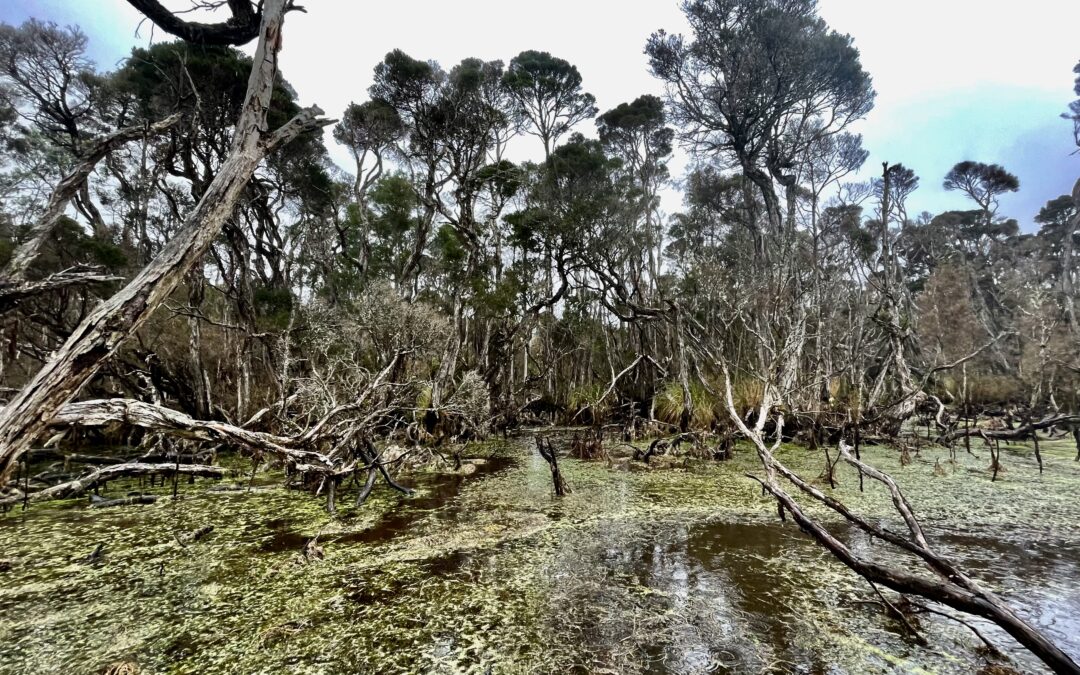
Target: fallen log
1019	433
106	412
194	536
80	485
950	586
124	501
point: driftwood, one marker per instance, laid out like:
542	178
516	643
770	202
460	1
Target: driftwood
80	485
193	536
660	446
123	501
107	412
952	587
328	452
106	328
1019	433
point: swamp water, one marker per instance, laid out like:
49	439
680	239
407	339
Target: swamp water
683	569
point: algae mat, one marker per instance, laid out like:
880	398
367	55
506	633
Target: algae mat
684	569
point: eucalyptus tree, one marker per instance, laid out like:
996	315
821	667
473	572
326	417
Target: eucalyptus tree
370	131
549	101
1057	220
414	89
547	94
983	184
63	121
754	83
637	133
45	68
827	161
456	125
207	84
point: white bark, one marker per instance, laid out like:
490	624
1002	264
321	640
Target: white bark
105	329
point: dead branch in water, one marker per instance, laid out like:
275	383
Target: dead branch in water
952	586
547	451
80	485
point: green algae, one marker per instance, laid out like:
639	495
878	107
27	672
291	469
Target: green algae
679	569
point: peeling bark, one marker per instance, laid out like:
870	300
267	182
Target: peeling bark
105	329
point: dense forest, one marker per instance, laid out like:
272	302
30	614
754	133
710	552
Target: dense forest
191	288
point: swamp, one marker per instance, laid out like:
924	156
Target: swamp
675	568
673	368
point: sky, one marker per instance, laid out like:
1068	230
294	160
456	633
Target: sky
956	79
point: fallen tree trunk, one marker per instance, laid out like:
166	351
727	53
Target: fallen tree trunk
106	328
80	485
349	451
1019	433
108	412
953	587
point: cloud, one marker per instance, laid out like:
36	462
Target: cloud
956	79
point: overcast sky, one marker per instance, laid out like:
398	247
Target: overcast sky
956	79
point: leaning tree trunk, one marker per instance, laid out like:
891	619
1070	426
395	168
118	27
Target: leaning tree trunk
103	331
68	188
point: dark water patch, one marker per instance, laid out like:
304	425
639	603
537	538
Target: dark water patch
283	537
688	598
433	498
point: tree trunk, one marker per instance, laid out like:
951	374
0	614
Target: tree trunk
67	189
105	329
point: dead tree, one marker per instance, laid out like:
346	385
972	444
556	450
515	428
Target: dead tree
1019	433
78	486
105	329
952	586
242	27
332	449
547	451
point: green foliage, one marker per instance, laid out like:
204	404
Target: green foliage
405	83
547	93
587	397
72	244
369	127
208	84
638	133
983	183
274	305
504	178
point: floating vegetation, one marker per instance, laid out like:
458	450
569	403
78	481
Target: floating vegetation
683	569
